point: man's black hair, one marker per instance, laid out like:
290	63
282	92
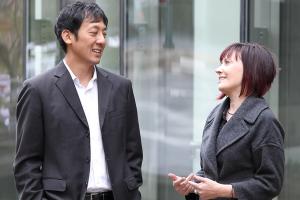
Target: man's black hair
72	16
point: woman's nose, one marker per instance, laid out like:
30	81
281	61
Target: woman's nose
218	70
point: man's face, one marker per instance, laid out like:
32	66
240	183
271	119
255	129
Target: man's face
89	45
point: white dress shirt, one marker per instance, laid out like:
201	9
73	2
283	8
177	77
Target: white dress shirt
98	179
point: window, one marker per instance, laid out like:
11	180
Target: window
275	24
172	49
11	69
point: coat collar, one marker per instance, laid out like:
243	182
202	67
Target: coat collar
249	110
235	129
66	85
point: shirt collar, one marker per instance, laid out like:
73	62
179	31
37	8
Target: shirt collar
74	77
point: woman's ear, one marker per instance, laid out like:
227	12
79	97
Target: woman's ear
67	36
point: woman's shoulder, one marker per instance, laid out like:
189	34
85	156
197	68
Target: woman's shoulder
214	112
223	104
267	129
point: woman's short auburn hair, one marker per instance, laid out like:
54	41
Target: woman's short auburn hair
259	69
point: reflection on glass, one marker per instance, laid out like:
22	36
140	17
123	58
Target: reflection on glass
41	48
10	79
172	49
110	59
274	24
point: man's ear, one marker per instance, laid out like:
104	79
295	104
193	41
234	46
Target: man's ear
67	36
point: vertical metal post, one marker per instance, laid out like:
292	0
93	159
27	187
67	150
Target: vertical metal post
244	23
122	32
25	34
169	25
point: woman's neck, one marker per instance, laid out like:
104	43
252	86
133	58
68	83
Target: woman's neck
235	102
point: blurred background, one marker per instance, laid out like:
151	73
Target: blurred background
169	49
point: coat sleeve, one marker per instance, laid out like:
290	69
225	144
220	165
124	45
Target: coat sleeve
29	149
134	149
192	196
268	160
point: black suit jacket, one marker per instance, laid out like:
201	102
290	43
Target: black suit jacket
250	153
53	144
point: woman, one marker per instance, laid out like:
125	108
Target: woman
242	151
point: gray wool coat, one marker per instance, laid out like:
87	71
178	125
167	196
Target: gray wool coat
250	153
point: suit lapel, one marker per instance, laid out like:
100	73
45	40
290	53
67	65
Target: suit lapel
104	92
66	86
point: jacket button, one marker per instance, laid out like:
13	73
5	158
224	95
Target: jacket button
87	160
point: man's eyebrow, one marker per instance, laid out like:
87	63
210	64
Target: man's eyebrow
97	27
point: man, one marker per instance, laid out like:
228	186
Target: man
77	127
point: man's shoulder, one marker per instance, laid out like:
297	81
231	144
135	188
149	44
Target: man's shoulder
113	77
44	77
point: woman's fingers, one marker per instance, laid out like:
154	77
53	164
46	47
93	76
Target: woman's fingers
195	185
190	177
172	176
182	184
200	179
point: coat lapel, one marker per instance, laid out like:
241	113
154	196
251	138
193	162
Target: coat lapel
104	92
208	147
66	85
236	127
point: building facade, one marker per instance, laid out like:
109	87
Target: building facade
169	49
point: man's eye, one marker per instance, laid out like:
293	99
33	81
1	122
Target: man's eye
93	33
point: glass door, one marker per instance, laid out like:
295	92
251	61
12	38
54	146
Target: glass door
11	69
289	95
264	28
111	57
42	50
276	25
172	48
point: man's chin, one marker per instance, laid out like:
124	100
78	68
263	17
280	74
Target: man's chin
96	62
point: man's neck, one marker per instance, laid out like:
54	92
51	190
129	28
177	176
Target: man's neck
84	72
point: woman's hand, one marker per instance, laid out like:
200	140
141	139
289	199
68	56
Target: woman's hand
181	184
209	189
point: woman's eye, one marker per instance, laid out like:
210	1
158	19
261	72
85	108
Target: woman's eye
226	61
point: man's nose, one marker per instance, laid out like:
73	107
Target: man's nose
100	38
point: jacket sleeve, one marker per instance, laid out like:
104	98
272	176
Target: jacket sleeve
29	149
134	149
268	159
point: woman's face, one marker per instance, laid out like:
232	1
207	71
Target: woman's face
230	74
